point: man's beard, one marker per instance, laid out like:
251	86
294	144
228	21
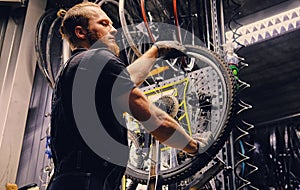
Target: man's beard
114	48
93	39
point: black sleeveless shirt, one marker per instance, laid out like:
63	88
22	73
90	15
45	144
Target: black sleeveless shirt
70	151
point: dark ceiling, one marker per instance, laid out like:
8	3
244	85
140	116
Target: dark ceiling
273	71
247	7
274	76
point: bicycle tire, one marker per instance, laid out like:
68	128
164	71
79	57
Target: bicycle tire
150	17
205	59
142	28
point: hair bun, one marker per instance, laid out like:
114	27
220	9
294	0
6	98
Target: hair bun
61	13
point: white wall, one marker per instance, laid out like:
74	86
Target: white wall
17	67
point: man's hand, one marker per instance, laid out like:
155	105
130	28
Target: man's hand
204	141
170	49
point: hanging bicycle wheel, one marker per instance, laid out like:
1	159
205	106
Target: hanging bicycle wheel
139	30
206	103
155	21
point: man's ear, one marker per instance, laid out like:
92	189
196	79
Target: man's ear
80	32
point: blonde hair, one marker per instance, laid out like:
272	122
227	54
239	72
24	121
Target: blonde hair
75	16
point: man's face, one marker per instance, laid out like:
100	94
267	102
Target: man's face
100	28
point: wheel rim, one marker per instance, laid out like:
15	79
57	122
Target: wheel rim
211	87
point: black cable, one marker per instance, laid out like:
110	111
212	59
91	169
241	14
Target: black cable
243	167
39	46
235	13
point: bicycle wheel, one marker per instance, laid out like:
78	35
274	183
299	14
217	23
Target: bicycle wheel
138	31
206	103
152	22
152	17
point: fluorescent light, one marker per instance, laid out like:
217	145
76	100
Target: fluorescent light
266	28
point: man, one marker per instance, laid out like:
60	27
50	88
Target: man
91	36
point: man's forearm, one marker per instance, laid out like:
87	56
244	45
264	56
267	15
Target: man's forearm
158	123
168	131
140	68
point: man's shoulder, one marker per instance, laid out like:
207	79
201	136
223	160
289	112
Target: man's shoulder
105	55
101	52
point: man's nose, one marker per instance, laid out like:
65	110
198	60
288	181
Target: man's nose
113	31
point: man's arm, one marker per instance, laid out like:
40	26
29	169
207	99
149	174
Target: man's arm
159	124
141	67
